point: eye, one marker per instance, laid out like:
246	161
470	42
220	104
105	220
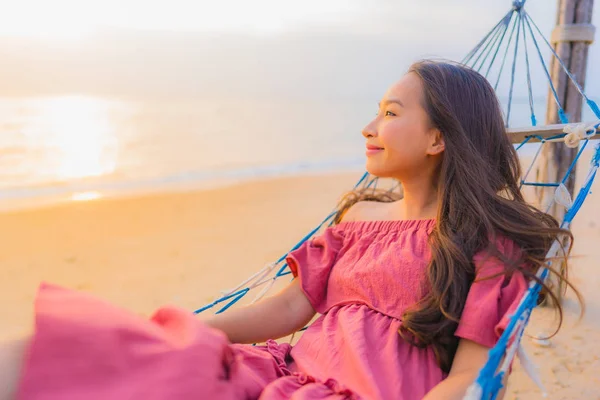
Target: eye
389	114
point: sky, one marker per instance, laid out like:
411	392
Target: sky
335	49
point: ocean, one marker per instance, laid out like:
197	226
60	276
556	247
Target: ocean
75	147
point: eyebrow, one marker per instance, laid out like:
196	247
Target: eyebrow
388	101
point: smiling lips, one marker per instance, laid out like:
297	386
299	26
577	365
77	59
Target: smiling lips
373	149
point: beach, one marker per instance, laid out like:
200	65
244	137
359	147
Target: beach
182	248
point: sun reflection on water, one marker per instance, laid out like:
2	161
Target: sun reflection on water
80	135
86	196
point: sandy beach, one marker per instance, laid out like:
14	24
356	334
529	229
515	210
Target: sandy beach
183	248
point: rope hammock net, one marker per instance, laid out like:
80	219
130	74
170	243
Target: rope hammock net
515	36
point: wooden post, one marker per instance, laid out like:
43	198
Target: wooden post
556	158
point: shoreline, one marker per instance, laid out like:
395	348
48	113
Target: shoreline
32	198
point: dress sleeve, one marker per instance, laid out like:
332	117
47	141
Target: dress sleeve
492	299
312	263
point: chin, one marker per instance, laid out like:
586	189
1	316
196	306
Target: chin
378	172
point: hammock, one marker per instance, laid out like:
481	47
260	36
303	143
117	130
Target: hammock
514	29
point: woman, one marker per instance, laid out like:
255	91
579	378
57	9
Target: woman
411	292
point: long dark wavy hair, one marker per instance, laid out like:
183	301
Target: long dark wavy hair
479	200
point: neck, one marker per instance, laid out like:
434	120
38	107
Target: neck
420	200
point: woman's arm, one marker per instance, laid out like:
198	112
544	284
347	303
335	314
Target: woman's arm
469	359
271	318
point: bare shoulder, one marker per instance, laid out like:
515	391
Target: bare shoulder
367	211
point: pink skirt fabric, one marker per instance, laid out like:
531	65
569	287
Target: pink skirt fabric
85	348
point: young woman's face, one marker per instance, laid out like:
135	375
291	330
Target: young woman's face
400	138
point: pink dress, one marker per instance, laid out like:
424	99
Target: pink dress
360	276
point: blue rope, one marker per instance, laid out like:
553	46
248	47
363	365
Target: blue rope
594	108
508	18
239	294
568	173
562	64
584	190
371	183
478	45
537	154
524	142
310	234
504	58
361	180
523	183
561	113
538	137
489	46
559	136
235	300
518	4
498	39
579	201
530	90
488	380
514	67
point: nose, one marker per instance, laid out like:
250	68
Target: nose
370	130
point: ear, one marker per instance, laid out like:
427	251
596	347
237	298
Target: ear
436	144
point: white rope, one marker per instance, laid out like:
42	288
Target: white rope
264	290
578	132
591	172
531	369
563	197
511	349
258	276
474	392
